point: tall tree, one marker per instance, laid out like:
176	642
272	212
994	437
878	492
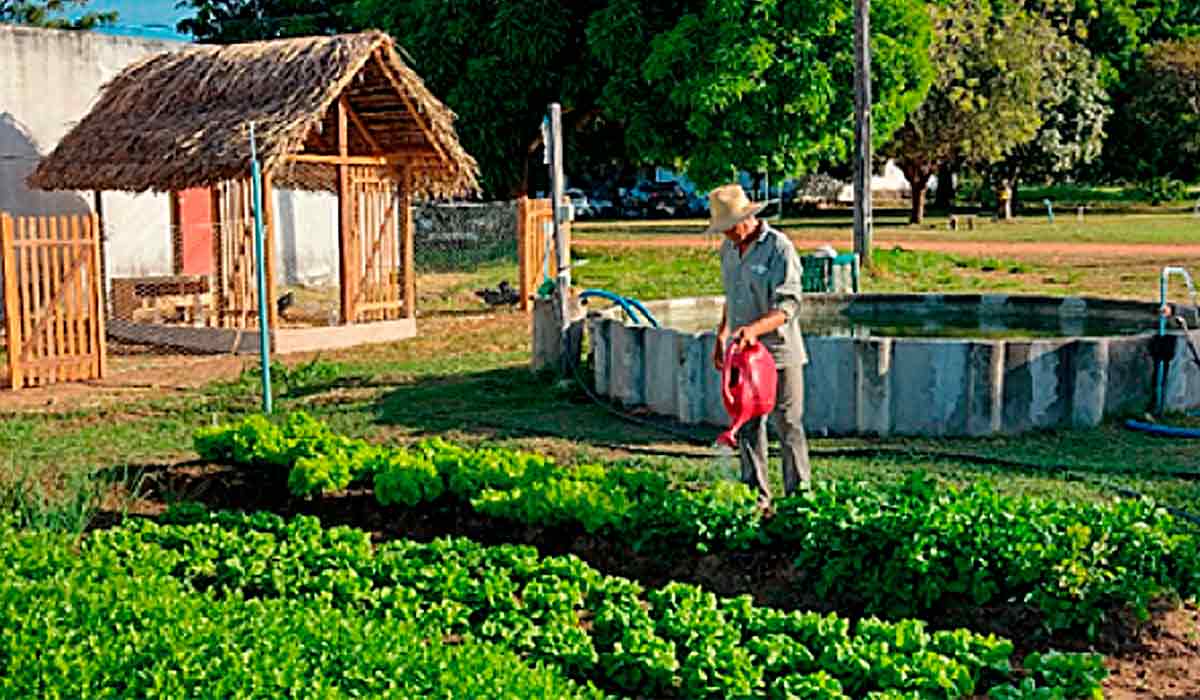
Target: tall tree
233	21
1075	110
718	86
1118	32
498	64
51	14
986	97
1165	109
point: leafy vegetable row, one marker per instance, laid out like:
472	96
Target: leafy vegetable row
83	625
322	603
897	550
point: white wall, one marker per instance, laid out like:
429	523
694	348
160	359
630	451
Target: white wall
48	81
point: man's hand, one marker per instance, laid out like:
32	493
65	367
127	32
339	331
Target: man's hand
744	337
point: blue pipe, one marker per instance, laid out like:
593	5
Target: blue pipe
615	298
1163	430
645	312
264	328
628	304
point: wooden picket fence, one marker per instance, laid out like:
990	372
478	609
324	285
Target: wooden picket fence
53	299
535	243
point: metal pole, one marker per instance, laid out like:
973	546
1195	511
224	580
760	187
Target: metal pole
563	286
264	331
862	131
767	186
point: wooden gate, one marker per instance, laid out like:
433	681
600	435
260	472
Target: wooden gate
377	262
235	282
53	309
535	245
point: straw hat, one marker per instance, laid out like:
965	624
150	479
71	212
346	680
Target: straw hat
728	206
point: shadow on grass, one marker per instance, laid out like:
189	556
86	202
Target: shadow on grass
515	403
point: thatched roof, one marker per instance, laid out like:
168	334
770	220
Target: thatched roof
181	119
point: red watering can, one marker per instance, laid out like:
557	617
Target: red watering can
747	386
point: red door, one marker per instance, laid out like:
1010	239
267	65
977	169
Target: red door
195	227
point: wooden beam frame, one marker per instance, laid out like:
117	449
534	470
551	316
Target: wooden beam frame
363	130
387	72
406	243
384	160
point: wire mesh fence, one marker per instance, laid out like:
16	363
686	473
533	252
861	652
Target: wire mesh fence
466	257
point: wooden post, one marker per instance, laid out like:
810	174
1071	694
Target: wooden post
97	305
268	215
174	205
345	218
218	243
523	261
406	239
862	131
98	202
12	306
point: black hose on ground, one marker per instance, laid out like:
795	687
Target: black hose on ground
1062	471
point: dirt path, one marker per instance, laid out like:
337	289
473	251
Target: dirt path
982	247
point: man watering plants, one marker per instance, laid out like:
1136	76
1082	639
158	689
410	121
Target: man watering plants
760	272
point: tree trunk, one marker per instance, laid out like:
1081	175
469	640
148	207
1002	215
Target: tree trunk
945	189
920	186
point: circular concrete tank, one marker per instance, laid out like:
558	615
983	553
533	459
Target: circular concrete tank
912	364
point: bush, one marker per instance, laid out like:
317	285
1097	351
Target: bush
1162	190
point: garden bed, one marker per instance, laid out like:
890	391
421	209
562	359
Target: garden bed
1158	647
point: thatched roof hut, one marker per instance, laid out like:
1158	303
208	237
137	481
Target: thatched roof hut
181	119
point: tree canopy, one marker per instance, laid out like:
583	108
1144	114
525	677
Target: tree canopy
1012	88
1074	112
50	14
726	85
994	69
1165	109
233	21
712	86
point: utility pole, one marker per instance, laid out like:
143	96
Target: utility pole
862	132
562	288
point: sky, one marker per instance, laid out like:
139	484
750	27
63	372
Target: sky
153	19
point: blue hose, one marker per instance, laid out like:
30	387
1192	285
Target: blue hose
630	305
1163	430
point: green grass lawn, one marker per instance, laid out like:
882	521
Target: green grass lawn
660	273
1165	227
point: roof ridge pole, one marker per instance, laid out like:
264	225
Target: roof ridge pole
264	330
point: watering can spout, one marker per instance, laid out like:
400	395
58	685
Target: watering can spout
729	437
748	382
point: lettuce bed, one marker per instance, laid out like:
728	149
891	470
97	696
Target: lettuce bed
208	605
906	549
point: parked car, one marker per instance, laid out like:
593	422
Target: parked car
602	206
658	199
579	201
